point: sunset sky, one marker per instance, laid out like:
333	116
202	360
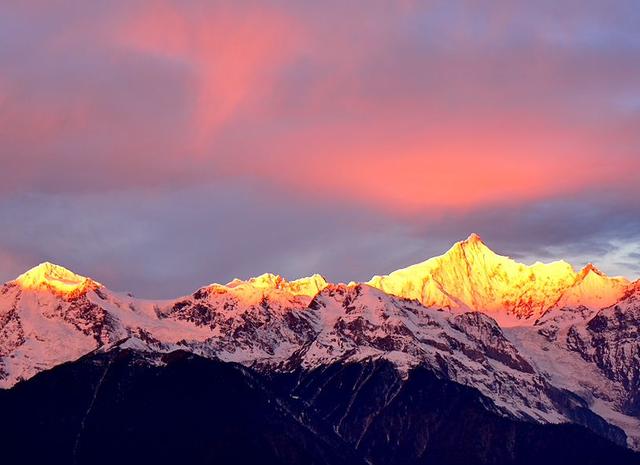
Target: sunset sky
158	146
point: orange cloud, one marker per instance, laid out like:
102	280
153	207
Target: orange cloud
460	165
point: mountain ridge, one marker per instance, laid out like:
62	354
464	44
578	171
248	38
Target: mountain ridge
559	348
468	252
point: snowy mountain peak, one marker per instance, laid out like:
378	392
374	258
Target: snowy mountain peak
307	287
593	289
473	239
471	252
472	244
266	281
590	268
470	276
52	277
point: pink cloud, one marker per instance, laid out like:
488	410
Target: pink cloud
460	167
232	52
402	108
142	141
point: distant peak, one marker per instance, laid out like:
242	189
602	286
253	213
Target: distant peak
473	239
316	278
591	268
309	286
53	277
48	270
472	245
267	280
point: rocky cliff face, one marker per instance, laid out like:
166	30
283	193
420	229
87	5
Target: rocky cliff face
611	340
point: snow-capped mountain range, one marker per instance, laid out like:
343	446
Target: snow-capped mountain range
544	343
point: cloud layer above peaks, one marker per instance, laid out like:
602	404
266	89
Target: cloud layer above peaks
372	131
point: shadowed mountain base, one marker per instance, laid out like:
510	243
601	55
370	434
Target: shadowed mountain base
120	408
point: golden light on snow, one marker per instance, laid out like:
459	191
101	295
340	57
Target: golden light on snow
309	286
471	277
468	277
48	276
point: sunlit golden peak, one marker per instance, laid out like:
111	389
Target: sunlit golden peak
473	239
267	280
48	276
309	286
472	244
590	268
470	276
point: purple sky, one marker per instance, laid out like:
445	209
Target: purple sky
160	146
